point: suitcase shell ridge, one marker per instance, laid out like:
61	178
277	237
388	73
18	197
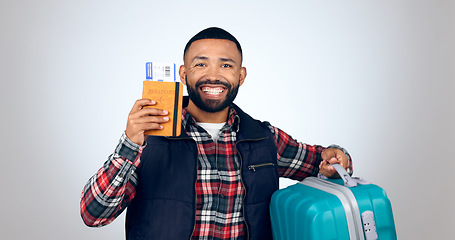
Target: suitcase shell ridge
304	212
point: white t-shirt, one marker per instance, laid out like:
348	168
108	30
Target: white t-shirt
213	129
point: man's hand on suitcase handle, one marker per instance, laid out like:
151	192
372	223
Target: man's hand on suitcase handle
332	156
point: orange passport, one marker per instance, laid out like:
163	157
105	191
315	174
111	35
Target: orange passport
168	96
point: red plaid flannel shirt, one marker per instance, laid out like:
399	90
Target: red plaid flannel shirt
220	192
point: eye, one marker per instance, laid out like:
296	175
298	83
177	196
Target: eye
226	65
199	65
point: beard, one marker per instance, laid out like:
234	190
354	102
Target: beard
212	105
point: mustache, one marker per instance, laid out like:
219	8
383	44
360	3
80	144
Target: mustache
215	82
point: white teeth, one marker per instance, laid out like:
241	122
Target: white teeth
212	90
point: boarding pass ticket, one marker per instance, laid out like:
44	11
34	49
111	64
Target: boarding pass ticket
164	72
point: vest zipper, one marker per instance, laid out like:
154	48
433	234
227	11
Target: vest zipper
243	184
253	167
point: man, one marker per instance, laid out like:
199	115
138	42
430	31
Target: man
215	180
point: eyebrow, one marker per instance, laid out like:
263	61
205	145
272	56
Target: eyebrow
200	58
227	60
206	58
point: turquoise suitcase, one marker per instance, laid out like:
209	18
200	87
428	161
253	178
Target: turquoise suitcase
332	209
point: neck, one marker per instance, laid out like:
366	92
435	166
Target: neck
207	117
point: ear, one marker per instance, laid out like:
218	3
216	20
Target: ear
242	75
182	73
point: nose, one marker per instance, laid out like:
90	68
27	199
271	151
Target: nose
213	73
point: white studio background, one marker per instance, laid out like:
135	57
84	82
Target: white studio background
376	77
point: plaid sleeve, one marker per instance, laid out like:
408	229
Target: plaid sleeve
298	160
111	189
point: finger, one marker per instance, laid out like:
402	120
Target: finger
342	159
141	103
145	112
329	171
154	111
330	154
149	119
322	164
136	132
323	167
148	126
326	169
334	160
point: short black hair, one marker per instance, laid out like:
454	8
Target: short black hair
213	33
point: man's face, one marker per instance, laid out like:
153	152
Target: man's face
213	73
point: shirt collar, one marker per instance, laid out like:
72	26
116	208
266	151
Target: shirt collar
233	121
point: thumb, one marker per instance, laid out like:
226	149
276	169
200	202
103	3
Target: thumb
334	160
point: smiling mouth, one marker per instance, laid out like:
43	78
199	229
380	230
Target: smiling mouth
213	90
